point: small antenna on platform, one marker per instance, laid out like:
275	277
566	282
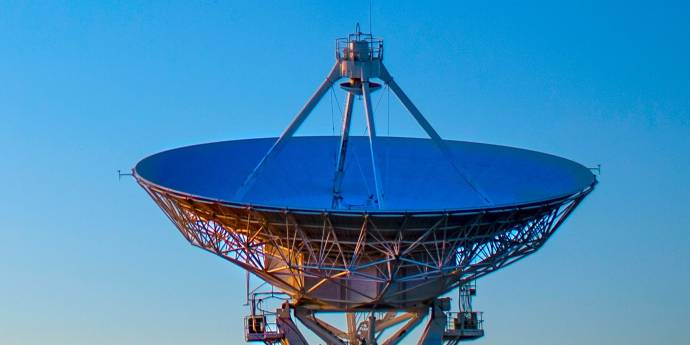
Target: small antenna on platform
120	174
370	29
596	170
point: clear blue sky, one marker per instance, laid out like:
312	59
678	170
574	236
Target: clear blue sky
91	87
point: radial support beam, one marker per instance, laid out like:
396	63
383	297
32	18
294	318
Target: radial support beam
371	129
372	330
333	76
413	321
367	332
288	327
433	331
351	327
430	131
342	150
388	79
307	318
385	323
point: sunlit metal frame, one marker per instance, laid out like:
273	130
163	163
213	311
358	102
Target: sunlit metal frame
284	246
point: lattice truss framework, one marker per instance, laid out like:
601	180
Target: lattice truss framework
335	261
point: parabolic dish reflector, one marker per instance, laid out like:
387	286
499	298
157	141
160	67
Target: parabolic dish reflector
416	176
444	215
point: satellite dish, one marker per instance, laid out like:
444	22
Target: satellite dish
364	223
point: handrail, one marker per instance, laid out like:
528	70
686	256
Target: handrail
475	323
375	46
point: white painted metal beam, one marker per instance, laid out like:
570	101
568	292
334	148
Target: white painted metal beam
371	129
342	150
297	121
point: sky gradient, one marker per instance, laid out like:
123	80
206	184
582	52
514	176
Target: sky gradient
92	87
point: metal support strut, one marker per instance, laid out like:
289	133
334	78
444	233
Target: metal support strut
360	59
430	131
342	150
371	129
332	77
436	326
367	332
